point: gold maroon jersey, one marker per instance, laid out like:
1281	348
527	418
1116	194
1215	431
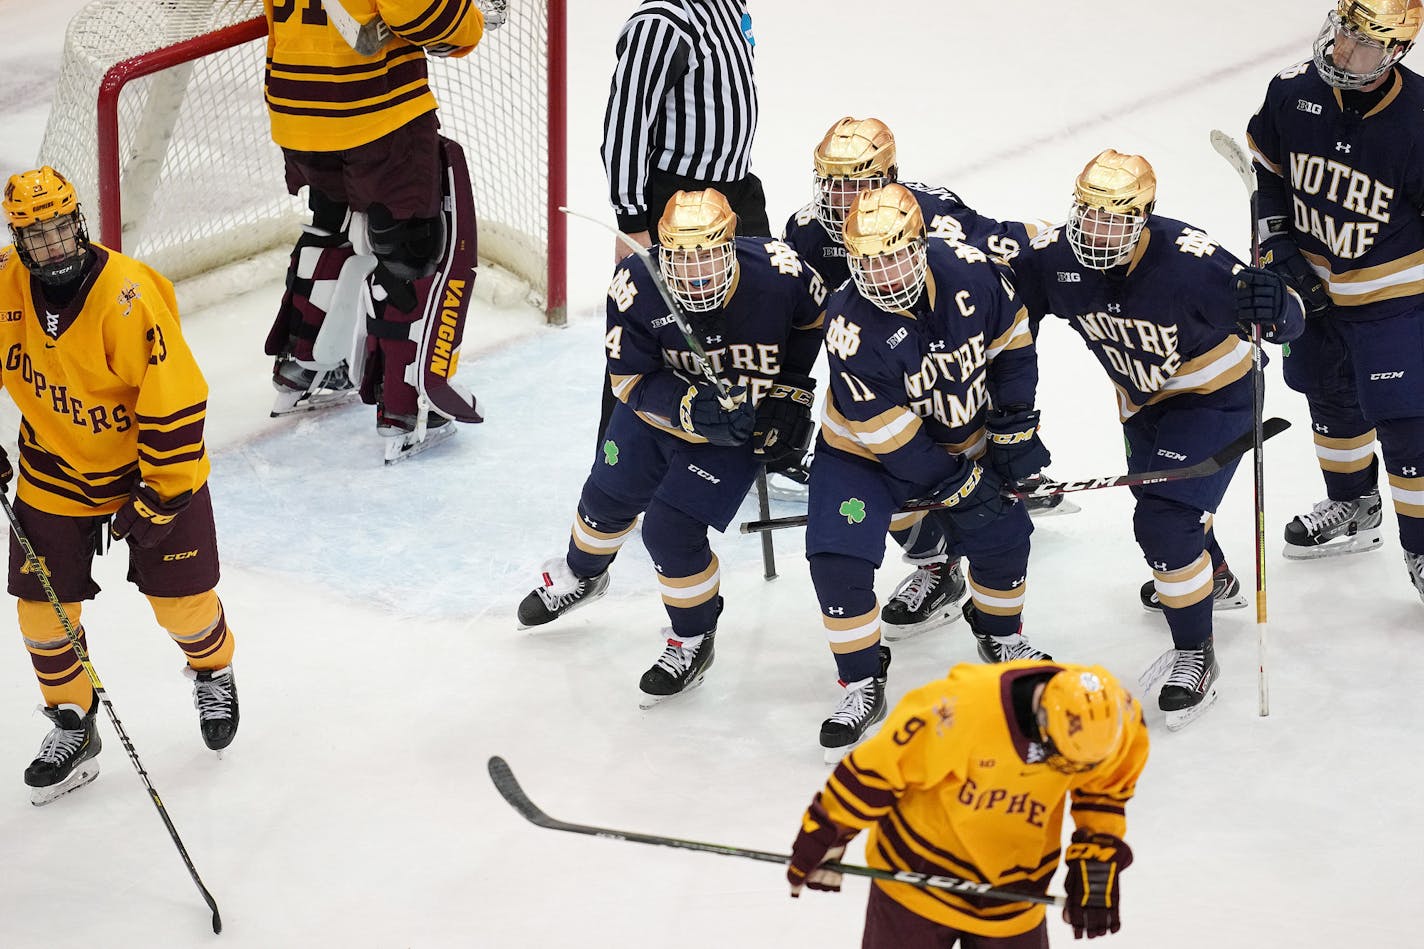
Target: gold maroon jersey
952	784
323	96
107	388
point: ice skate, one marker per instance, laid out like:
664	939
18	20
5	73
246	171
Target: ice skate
1046	505
1190	687
681	668
924	600
300	389
1000	648
1335	527
405	438
215	698
561	593
1225	592
862	707
1415	564
67	759
790	485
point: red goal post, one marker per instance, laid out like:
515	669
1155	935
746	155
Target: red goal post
159	120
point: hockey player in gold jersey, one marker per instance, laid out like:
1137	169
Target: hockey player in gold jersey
359	130
112	406
968	778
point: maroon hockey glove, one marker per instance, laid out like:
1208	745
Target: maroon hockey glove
6	471
146	519
820	841
1094	862
783	422
700	412
1015	450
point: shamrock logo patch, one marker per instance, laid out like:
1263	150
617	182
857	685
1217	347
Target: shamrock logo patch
610	452
853	510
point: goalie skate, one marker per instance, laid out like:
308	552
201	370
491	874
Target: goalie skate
405	439
67	759
319	389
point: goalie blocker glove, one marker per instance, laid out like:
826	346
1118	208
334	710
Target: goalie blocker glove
1262	300
1094	862
700	412
1015	450
147	519
783	422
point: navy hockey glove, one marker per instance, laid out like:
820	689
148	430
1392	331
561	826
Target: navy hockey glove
1094	862
6	471
821	840
1262	300
700	412
972	497
147	519
783	422
1280	255
1015	450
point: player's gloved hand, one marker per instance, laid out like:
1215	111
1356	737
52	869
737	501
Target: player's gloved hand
1262	300
820	841
700	412
1279	254
1094	862
7	471
973	496
496	13
1015	450
783	422
147	519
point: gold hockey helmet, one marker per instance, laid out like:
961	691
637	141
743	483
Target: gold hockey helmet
1081	718
697	250
42	209
855	154
1112	198
1363	39
885	246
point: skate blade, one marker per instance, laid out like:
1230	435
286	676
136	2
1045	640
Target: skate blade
647	701
84	774
397	450
898	634
302	402
790	495
1361	543
1062	507
1182	717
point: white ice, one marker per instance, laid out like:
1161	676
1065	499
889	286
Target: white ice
374	608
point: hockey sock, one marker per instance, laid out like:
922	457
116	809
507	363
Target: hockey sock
62	679
998	601
600	529
198	625
1218	556
1347	462
1403	444
845	587
689	575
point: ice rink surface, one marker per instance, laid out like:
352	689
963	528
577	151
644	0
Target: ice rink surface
374	608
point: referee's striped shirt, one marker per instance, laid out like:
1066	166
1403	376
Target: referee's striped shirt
683	99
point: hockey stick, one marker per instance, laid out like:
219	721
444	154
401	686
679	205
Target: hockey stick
509	789
37	568
1224	457
679	318
1230	149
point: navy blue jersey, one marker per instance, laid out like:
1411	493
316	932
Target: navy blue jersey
1351	185
910	390
770	323
1163	325
946	216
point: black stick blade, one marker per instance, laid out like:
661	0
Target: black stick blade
508	787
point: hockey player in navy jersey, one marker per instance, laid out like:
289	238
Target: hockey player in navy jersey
854	155
1163	308
1336	147
920	343
673	451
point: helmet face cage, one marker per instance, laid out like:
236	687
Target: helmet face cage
834	194
1347	58
1102	239
893	280
53	250
700	277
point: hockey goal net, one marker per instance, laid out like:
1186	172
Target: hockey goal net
159	121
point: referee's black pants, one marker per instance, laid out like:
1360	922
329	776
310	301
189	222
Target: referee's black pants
747	200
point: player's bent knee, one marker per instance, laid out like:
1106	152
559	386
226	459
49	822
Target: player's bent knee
187	615
39	622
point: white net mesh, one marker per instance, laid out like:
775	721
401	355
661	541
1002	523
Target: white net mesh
202	182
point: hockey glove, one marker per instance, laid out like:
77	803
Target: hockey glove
1280	255
1094	862
783	422
147	519
700	412
496	13
1015	450
820	841
6	471
973	497
1262	300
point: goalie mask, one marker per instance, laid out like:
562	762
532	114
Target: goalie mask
855	155
1111	201
886	247
47	225
1080	719
697	251
1363	39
